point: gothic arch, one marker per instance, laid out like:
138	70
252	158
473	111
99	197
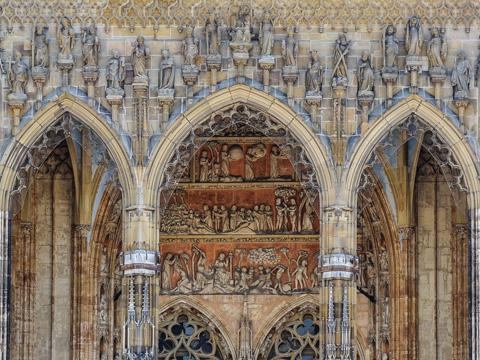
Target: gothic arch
30	132
188	302
180	127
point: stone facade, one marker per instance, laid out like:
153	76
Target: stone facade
239	180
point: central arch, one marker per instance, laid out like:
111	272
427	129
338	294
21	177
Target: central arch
180	127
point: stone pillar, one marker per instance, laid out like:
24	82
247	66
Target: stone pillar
364	103
140	136
474	280
90	78
115	102
214	64
461	105
460	294
16	105
290	75
165	100
413	65
438	76
39	76
65	66
315	102
390	76
4	286
240	57
267	63
190	78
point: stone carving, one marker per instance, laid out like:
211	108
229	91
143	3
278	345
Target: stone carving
414	38
65	39
275	155
18	78
191	274
103	308
190	47
115	74
365	76
306	212
91	48
314	76
241	32
140	54
105	262
245	335
340	69
437	49
40	48
461	76
266	34
390	46
166	76
386	311
253	153
212	36
383	259
290	48
362	271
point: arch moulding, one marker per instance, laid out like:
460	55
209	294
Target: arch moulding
179	128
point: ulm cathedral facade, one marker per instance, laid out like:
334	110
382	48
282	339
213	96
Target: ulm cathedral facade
239	180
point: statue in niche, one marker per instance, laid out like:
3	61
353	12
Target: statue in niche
103	309
190	47
40	47
65	39
383	259
414	39
314	75
290	48
204	169
386	311
105	262
212	35
18	77
292	214
116	212
362	269
166	76
390	45
91	47
340	69
305	222
169	261
461	76
115	74
437	49
241	22
266	34
140	54
365	75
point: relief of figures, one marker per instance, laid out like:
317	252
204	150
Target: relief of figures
257	270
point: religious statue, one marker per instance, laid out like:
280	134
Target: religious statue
190	47
18	77
383	259
115	74
167	271
40	47
166	76
275	155
314	75
221	275
290	48
340	69
103	308
414	39
266	34
362	271
461	76
365	75
305	223
225	161
386	311
390	45
140	54
212	35
437	49
91	47
65	39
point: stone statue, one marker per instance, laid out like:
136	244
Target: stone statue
40	47
167	271
252	154
305	223
140	54
275	155
314	75
281	208
383	259
386	311
103	308
166	76
390	45
190	47
225	161
18	77
91	47
221	276
266	34
461	76
414	39
340	69
204	163
241	22
65	39
212	35
292	214
437	49
365	75
290	48
362	269
115	74
300	274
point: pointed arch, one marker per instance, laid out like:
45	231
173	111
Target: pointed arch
180	127
30	132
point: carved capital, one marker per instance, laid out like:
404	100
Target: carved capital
90	77
115	100
65	64
82	229
461	231
459	104
406	233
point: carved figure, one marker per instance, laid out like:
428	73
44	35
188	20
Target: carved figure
91	46
390	42
212	35
190	47
342	48
249	159
115	72
300	275
105	262
269	218
437	49
414	39
306	224
167	271
202	275
281	214
383	259
275	155
266	34
314	76
225	161
386	311
207	216
65	39
241	22
103	308
365	75
292	214
40	47
166	76
140	54
221	276
290	48
242	278
18	76
461	76
184	284
362	269
204	166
